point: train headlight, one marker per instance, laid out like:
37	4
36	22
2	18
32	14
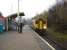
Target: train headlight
45	27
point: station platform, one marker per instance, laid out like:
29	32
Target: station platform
27	40
13	40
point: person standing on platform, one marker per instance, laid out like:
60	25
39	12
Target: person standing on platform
21	24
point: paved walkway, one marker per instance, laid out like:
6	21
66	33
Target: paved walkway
16	41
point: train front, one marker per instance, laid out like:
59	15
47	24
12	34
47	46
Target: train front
40	25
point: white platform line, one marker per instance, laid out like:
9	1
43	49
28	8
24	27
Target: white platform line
44	41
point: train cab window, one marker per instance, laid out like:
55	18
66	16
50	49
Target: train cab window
44	22
36	22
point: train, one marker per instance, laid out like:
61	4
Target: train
39	25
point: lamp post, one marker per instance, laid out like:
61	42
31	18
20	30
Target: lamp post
18	15
19	11
19	28
18	8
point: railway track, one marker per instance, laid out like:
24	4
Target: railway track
44	35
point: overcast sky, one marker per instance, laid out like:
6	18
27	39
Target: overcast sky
29	7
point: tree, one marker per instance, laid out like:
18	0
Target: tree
58	16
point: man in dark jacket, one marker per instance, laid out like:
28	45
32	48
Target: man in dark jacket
21	27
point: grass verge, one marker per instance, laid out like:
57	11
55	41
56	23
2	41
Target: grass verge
59	37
